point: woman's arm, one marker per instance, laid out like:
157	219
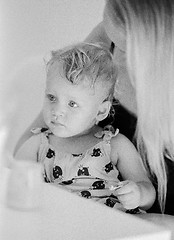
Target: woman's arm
38	122
29	150
98	34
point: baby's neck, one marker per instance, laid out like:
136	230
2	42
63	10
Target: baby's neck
89	132
76	144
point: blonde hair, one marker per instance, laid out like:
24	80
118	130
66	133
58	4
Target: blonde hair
87	62
149	29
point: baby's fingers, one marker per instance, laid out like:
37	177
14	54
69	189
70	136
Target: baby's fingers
124	198
127	187
129	195
128	201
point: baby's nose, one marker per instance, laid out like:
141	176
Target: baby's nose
56	113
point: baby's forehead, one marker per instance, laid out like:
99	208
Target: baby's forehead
98	89
78	91
93	85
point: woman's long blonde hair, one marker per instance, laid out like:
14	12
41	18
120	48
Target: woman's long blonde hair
149	32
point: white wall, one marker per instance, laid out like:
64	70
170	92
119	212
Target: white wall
29	30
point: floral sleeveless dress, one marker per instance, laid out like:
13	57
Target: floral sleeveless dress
90	174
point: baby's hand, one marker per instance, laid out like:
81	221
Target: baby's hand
129	194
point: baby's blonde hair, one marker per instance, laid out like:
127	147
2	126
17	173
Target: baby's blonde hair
87	62
149	30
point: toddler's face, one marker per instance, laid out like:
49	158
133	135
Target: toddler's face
70	110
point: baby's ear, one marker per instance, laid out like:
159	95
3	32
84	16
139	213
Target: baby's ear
103	111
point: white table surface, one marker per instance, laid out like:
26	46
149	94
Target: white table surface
165	220
64	216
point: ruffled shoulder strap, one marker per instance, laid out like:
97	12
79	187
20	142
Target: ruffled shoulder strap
107	133
40	130
44	133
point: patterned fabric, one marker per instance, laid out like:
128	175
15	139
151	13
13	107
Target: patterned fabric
90	174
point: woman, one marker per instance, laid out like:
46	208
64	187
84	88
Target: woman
148	28
144	30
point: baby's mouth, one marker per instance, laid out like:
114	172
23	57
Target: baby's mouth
57	123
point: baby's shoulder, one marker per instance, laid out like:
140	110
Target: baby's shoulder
120	141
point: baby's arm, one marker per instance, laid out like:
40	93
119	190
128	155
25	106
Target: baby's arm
137	189
29	150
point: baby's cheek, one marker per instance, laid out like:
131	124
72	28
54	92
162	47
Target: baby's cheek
46	116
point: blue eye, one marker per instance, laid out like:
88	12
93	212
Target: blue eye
73	104
51	98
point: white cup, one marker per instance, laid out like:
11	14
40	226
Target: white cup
24	185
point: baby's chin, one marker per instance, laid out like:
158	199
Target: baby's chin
65	134
60	132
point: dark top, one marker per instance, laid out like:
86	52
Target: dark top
169	208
